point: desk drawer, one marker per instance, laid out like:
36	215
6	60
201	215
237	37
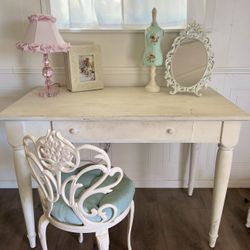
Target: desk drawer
126	131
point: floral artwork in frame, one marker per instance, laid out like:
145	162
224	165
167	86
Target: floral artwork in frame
84	68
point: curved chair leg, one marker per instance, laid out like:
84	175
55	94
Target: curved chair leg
248	219
102	240
130	223
80	238
42	226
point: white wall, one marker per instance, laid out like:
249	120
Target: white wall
148	164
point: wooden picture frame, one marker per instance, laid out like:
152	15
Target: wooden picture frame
84	68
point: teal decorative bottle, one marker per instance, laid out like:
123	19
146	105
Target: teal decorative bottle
152	54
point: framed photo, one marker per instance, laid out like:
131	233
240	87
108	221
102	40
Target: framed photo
84	68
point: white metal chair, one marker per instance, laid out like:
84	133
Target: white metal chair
91	198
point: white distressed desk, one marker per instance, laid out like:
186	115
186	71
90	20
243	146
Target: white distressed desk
128	115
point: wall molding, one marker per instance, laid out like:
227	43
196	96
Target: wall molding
28	70
126	76
231	70
118	70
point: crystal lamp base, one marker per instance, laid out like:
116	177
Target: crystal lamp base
49	91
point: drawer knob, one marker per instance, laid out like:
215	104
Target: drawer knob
170	131
73	131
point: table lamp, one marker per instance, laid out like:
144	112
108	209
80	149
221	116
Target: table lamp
42	36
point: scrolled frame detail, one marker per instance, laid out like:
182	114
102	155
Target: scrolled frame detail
193	31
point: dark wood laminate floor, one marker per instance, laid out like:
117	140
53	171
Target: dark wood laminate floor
165	219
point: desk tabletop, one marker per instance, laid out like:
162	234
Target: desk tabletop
123	103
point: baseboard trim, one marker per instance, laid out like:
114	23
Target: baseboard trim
241	183
12	184
161	183
8	184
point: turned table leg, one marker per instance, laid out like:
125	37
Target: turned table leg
222	173
23	176
194	152
229	138
248	218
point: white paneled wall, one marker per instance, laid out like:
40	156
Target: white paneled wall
150	165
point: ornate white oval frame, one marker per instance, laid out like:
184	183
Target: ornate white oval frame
193	31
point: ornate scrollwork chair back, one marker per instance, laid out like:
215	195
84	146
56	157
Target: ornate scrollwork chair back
78	198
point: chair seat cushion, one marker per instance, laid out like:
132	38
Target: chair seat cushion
120	197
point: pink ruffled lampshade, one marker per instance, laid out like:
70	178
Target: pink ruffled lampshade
42	36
